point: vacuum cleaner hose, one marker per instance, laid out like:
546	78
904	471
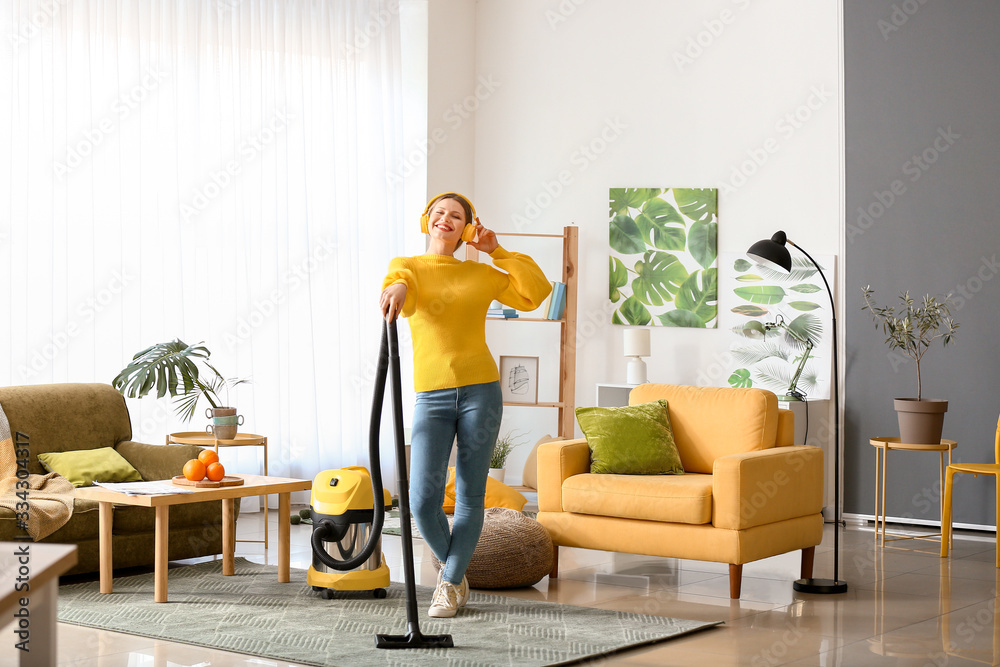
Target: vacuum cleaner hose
326	530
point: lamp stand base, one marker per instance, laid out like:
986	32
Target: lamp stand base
820	586
636	372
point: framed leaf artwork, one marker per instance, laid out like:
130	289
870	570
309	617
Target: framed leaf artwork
663	265
753	293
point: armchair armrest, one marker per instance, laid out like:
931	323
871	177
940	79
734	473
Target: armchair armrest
558	461
157	461
757	488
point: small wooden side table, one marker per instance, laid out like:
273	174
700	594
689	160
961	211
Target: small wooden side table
882	447
206	440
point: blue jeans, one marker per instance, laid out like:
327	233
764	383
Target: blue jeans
473	413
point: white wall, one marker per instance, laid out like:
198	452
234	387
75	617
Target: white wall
597	92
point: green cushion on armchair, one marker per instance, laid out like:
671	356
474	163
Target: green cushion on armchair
631	440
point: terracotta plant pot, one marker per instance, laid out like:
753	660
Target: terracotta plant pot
920	422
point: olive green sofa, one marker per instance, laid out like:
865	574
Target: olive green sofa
64	417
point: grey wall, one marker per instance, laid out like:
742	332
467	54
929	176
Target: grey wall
922	108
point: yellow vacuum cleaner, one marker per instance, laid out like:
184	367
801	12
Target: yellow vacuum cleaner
347	513
344	498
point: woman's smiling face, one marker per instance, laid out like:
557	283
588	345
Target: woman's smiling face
447	220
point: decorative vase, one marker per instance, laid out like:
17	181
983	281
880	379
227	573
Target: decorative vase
920	422
497	474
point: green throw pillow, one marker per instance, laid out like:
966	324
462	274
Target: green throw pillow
85	466
632	440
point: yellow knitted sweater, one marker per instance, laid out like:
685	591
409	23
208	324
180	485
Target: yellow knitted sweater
446	303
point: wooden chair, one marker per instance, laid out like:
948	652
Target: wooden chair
976	469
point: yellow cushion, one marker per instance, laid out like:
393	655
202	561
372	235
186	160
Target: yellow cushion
670	498
498	494
701	433
83	467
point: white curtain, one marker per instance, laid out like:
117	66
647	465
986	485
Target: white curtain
209	170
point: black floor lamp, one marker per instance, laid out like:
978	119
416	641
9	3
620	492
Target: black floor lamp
773	253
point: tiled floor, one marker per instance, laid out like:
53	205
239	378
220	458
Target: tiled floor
905	606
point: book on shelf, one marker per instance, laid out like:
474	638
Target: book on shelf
557	301
497	311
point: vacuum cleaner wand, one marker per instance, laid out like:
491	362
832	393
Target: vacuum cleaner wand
413	638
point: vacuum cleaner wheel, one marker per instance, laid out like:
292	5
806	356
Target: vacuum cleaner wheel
379	593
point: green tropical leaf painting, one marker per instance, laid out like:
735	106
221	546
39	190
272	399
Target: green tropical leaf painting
767	312
664	256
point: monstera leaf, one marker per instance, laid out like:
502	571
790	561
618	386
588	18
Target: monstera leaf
765	294
700	295
702	242
699	204
622	199
617	279
631	312
740	379
625	235
660	275
681	318
661	225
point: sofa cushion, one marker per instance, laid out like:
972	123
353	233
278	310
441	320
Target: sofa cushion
86	466
710	422
631	440
670	498
498	494
63	417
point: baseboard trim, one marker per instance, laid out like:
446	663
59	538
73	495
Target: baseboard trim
918	522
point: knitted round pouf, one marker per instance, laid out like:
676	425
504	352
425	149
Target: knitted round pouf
513	551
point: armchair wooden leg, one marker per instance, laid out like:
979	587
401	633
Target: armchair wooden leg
554	573
808	556
735	580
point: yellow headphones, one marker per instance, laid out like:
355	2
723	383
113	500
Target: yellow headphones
468	233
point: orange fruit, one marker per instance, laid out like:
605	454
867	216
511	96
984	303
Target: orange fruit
194	470
208	456
215	471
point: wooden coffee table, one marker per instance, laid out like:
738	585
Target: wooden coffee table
254	485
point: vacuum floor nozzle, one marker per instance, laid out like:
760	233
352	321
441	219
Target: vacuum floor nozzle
414	639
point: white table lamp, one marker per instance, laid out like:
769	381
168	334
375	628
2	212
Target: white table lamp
636	347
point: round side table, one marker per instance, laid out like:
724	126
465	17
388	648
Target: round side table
882	447
203	439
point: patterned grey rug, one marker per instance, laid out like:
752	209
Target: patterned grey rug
251	613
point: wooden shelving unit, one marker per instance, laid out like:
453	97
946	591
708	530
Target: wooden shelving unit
566	404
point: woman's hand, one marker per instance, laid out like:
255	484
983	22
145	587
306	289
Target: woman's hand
486	240
391	301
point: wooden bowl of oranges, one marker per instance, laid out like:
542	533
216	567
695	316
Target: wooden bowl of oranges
206	471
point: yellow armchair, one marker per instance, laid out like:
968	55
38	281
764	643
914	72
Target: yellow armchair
747	492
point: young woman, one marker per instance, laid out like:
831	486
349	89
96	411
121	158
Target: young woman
455	377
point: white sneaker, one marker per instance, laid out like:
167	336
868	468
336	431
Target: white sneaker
445	602
463	591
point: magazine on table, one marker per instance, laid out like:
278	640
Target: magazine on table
155	488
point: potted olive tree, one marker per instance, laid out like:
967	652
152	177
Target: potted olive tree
184	372
911	330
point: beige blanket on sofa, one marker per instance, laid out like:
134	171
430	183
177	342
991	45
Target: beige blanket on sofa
49	502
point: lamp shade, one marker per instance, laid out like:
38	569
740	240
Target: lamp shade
637	342
772	253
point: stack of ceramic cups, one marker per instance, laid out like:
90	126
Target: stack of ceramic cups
225	423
